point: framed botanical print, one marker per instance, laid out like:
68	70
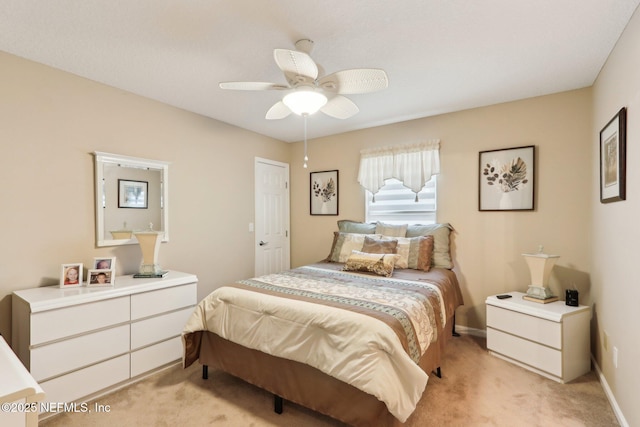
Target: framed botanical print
506	179
613	149
324	193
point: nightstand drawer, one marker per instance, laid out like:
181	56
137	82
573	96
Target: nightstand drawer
527	352
529	327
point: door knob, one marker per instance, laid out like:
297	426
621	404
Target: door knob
262	243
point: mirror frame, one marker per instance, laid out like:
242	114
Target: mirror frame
102	158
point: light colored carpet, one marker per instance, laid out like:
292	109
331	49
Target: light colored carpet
476	390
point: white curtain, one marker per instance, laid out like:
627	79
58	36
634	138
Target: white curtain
413	164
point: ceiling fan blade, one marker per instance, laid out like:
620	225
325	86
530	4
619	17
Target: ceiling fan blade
294	63
278	111
360	80
252	86
340	107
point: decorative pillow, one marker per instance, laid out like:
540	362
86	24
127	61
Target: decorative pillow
348	226
379	246
441	242
415	252
391	230
344	243
380	264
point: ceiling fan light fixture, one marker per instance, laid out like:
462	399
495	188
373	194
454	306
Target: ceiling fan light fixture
304	102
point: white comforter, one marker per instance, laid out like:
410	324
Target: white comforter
352	347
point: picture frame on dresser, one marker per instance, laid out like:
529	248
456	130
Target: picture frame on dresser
104	263
100	278
613	164
71	275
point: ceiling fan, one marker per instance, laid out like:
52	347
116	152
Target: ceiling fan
325	94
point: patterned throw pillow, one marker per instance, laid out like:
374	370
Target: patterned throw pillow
344	243
414	252
380	264
379	246
441	242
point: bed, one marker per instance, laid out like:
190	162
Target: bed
354	337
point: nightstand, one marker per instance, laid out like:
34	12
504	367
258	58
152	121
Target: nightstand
549	339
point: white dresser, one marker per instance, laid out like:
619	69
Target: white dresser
81	342
549	339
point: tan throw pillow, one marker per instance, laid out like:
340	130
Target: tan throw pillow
380	264
344	243
415	252
391	230
379	246
441	242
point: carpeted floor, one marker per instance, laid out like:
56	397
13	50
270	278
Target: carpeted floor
476	390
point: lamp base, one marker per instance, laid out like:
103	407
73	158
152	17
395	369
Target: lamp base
540	294
150	269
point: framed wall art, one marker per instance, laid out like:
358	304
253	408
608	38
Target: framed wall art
613	162
324	193
71	275
133	194
506	180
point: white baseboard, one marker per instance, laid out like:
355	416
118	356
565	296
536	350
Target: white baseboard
607	391
471	331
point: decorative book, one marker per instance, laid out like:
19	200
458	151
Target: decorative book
540	300
158	275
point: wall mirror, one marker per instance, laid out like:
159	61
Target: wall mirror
131	194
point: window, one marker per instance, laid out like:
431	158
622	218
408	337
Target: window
396	204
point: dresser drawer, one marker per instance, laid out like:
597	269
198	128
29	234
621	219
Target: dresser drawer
60	323
64	356
151	303
160	328
530	327
84	382
528	352
156	355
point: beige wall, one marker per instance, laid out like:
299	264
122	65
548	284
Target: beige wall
487	245
615	230
52	121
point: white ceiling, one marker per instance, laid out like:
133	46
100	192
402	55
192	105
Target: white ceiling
440	55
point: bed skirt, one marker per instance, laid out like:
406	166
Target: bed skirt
303	384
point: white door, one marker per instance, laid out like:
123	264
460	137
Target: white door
271	217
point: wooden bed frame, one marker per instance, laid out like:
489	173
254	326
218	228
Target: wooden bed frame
305	385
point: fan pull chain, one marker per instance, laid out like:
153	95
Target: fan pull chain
306	159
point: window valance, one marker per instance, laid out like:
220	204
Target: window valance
413	164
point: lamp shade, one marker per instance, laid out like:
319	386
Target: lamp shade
304	101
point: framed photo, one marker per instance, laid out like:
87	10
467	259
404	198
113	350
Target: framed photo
103	263
100	278
71	275
613	159
506	180
133	194
324	193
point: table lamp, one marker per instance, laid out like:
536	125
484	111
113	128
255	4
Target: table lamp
540	266
149	242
